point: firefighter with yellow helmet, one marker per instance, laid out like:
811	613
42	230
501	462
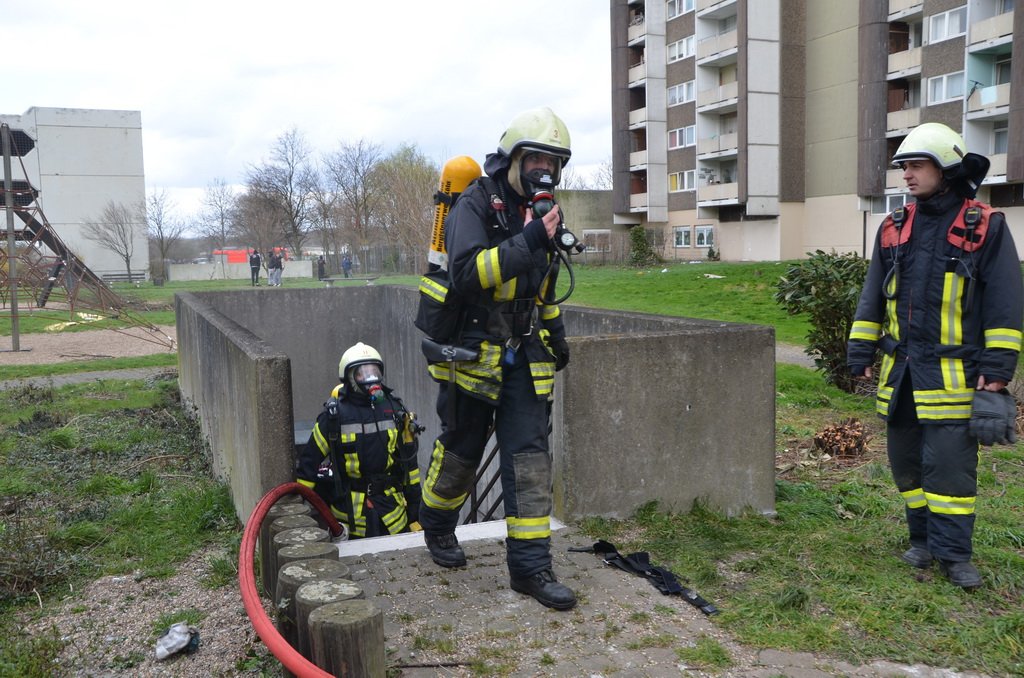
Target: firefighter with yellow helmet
361	455
942	302
500	255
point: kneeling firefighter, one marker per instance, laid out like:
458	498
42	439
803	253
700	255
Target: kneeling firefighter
361	455
500	260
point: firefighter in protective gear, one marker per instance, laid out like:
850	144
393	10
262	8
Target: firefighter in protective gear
361	455
942	302
500	262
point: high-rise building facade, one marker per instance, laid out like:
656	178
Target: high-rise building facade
764	128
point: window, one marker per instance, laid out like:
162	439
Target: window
682	137
705	236
884	204
1003	71
597	240
682	181
945	88
681	93
947	25
676	8
681	49
1000	137
682	236
1005	6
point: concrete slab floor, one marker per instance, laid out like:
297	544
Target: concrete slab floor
468	622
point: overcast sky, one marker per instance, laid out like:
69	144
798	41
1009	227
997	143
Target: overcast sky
218	81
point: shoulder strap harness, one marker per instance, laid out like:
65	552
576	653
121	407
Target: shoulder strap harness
967	232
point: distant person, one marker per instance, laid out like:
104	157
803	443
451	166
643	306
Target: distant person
361	456
942	302
346	266
255	263
320	265
275	268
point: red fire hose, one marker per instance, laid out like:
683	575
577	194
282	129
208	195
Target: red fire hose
276	643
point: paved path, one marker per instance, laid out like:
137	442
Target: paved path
58	380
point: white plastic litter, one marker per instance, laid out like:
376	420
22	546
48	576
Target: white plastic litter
178	637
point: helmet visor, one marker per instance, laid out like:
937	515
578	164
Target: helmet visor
367	374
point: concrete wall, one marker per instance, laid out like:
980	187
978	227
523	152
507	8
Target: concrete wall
658	396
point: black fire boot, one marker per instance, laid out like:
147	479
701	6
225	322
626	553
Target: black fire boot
917	557
962	574
445	549
546	590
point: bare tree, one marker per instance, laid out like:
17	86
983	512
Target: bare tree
351	174
255	222
601	179
116	230
163	228
284	183
217	212
324	213
407	181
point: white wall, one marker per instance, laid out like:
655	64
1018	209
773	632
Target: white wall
84	159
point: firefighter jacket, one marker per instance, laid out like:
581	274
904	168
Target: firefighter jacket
361	458
502	279
942	304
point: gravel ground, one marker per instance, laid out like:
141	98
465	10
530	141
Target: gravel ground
46	348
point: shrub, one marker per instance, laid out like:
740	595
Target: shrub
826	287
640	251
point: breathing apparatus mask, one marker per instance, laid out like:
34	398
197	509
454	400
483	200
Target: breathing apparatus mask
368	380
539	185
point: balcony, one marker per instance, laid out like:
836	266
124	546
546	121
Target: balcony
718	193
638	202
636	33
997	170
638	118
722	144
718	96
989	102
721	48
637	160
902	8
715	9
990	32
907	62
637	74
901	122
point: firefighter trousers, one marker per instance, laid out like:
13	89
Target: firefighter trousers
521	427
935	467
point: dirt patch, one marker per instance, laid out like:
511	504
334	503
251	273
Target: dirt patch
45	348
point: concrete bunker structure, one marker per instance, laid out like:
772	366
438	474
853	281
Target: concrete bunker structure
650	408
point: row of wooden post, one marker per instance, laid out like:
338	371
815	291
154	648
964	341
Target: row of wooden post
319	611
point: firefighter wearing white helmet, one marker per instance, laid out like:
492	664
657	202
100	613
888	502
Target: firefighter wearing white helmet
944	367
500	257
361	455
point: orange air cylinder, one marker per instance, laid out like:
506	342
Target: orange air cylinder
458	173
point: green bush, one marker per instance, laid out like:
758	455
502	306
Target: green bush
640	251
826	287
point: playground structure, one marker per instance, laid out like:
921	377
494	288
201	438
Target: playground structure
39	274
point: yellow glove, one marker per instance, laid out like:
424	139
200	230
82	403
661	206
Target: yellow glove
410	427
415	527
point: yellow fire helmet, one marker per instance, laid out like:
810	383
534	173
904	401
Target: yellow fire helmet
360	354
934	141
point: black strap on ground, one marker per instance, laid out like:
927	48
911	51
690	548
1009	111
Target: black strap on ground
640	564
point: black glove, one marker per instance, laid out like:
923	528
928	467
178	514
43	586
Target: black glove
560	347
994	417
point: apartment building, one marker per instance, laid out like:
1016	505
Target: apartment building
84	159
764	128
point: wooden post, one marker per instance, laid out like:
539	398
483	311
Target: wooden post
266	551
277	526
314	594
289	579
306	551
347	639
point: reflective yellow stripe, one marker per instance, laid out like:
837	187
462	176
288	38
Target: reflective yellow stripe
549	312
321	442
433	289
352	464
431	499
884	392
865	329
506	291
914	498
890	292
528	528
1003	337
307	483
951	331
943	404
413	477
487	268
543	377
954	506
